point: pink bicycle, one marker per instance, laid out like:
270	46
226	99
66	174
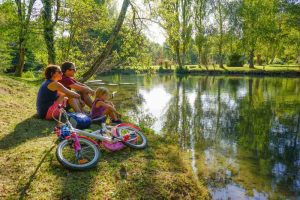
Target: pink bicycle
78	151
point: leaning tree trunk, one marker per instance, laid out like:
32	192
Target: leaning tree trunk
107	50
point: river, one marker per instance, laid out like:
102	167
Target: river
241	134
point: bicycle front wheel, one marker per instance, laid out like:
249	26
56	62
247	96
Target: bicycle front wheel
132	137
89	154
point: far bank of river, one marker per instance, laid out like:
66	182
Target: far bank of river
288	71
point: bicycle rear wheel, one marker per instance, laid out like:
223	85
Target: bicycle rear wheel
88	158
132	137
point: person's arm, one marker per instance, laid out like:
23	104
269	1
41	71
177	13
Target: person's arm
81	88
106	105
60	93
110	103
61	89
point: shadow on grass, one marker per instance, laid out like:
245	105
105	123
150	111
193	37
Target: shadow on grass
143	181
79	184
28	129
162	174
76	184
24	189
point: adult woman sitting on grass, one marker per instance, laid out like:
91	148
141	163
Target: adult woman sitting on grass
52	93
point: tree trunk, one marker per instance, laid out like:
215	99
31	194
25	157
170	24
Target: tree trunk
298	58
272	59
199	55
183	56
221	36
221	61
20	65
251	59
178	54
258	57
49	27
24	26
49	39
221	52
107	50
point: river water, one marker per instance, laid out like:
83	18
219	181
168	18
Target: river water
241	134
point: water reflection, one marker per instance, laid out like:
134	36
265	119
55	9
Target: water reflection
242	134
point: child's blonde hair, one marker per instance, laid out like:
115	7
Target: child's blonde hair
101	91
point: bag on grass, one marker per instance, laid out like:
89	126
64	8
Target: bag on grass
79	120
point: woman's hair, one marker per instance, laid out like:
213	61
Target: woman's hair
67	65
50	71
100	91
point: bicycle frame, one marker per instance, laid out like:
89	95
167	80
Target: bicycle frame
98	134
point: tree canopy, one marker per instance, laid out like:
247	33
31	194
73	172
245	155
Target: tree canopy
203	32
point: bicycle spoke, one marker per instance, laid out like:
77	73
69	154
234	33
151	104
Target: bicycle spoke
83	148
88	154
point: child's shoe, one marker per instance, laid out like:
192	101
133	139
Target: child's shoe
116	121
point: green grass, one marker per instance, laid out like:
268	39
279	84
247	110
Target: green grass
29	169
245	68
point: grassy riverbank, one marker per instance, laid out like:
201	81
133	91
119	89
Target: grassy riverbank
29	169
271	70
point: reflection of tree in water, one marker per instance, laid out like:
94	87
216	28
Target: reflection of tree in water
217	113
268	137
178	117
285	148
234	132
171	121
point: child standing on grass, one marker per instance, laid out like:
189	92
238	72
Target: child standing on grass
102	107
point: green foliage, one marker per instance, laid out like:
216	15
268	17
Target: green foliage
277	61
176	19
8	36
182	70
28	75
236	60
211	32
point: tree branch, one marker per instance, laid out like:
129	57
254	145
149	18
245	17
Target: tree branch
107	50
57	12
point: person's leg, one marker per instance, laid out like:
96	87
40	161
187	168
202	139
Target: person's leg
75	104
87	99
111	114
61	100
53	111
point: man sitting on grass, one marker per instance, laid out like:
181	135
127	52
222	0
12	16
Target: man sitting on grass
68	69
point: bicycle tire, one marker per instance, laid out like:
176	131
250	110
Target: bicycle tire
69	165
133	145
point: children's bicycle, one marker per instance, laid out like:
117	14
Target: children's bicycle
77	151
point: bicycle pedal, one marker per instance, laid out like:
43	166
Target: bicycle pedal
82	161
